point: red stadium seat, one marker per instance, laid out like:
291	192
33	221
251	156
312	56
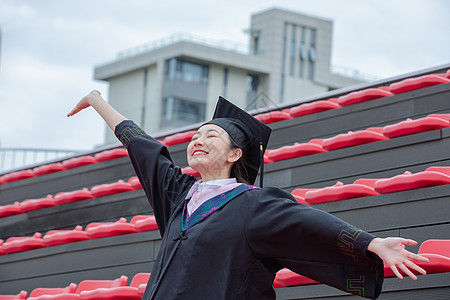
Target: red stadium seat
277	285
364	95
190	171
273	116
370	182
135	183
112	188
313	107
443	170
316	141
19	244
111	154
10	210
339	192
144	223
19	296
43	293
409	181
300	199
179	138
301	192
267	159
414	126
417	83
103	289
19	175
34	204
68	197
2	181
438	253
448	74
286	277
79	162
101	230
296	150
47	169
441	247
58	237
351	138
90	285
1	248
119	292
162	142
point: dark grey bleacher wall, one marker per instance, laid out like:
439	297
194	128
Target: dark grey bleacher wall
419	214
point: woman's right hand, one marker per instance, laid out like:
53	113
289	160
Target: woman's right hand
86	102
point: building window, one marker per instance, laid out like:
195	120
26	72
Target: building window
303	55
252	83
178	112
179	69
312	54
292	54
256	45
225	82
284	47
252	91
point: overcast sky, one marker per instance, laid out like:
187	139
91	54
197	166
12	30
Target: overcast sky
49	49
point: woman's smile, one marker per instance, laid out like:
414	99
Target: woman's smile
198	152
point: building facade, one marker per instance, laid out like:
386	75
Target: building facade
175	82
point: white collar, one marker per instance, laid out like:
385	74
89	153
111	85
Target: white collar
200	185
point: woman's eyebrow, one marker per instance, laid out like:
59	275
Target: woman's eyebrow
209	130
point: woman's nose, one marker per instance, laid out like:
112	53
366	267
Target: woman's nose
198	141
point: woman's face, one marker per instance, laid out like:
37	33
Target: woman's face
210	152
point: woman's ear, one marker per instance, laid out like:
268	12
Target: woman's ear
234	155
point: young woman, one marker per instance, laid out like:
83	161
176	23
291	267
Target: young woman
225	239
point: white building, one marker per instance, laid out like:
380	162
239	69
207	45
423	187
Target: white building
175	82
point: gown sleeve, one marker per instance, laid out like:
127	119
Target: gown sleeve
161	180
313	243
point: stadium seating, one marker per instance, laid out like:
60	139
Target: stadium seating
360	137
111	188
179	138
43	293
19	244
19	296
144	223
58	237
349	139
100	230
74	196
111	154
78	162
364	95
339	192
11	209
314	107
47	169
33	204
410	84
273	116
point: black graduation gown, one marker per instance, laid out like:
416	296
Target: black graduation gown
235	252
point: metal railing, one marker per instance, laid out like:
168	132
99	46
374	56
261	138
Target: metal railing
15	158
353	73
183	37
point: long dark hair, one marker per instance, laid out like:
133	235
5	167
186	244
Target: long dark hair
239	168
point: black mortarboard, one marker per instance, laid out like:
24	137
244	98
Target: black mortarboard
247	132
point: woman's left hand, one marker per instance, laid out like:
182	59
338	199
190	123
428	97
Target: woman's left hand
392	251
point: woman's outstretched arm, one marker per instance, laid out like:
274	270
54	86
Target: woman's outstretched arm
111	116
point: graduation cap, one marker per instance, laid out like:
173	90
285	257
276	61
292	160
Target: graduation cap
250	134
